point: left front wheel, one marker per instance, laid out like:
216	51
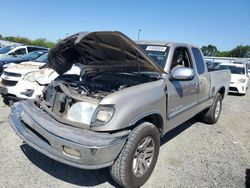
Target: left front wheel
137	160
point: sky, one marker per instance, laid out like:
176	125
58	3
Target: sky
223	23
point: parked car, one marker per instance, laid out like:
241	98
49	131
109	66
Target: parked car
27	80
125	99
239	77
18	51
28	57
244	63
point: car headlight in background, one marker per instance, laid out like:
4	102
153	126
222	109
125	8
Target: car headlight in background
90	114
243	80
33	76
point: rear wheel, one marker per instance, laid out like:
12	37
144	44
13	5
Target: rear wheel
212	114
137	160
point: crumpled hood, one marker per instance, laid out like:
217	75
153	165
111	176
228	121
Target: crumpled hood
105	49
24	68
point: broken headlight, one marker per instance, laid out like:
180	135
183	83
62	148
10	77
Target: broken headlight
81	112
90	114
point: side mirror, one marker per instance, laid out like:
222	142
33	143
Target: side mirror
12	53
183	73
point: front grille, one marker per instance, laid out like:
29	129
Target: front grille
57	101
9	82
12	74
233	89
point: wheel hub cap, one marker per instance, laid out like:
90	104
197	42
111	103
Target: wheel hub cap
143	156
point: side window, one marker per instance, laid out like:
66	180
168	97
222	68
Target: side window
181	58
31	49
198	60
20	51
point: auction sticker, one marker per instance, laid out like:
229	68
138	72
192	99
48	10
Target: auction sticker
156	48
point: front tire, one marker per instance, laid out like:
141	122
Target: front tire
212	114
137	160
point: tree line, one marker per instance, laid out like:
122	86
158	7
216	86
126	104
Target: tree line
23	40
238	51
209	50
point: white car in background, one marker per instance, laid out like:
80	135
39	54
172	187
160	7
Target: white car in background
27	80
18	50
239	77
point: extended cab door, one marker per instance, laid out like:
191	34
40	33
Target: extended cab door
204	79
182	94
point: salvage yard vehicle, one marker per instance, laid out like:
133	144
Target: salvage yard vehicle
18	50
239	77
27	80
28	57
126	98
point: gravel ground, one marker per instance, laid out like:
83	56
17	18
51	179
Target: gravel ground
192	155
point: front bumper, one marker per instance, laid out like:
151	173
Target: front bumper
238	88
22	90
40	131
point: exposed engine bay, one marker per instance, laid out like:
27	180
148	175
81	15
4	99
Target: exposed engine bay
61	94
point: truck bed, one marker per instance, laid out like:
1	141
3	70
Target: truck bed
219	79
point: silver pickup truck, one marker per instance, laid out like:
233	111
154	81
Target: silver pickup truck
126	98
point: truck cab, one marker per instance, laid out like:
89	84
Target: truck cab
185	96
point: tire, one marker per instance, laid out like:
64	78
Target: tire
123	171
212	114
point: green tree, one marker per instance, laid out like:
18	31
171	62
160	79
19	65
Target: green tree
37	42
223	54
209	50
240	51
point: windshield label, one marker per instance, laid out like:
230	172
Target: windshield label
156	48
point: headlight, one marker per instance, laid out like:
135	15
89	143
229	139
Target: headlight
33	76
81	112
90	114
242	80
103	115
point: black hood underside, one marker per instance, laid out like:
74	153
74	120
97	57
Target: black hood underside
105	49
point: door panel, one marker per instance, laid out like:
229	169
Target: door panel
182	96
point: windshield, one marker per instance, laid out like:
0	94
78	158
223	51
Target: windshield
43	58
157	53
6	49
33	55
233	69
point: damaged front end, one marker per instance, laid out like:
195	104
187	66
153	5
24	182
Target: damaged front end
62	123
75	100
77	147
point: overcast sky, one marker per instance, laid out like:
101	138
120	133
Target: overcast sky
224	23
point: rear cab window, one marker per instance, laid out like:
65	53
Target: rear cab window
200	65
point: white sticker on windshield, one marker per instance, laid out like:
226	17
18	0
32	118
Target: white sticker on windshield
156	48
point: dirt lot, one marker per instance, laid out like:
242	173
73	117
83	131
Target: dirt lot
193	155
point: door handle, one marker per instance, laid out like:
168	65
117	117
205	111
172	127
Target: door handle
195	84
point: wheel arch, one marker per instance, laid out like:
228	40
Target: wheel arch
154	118
222	91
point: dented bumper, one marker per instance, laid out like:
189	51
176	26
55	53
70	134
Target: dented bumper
70	145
